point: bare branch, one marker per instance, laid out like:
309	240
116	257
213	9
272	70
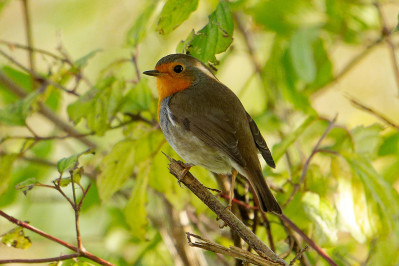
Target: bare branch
307	163
83	253
234	252
177	169
53	259
373	112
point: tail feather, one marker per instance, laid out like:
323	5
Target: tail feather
268	202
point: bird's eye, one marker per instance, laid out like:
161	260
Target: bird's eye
178	68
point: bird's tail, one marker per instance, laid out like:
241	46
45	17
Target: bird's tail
268	202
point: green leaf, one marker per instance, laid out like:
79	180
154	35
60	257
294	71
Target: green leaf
16	238
82	62
98	106
324	67
16	113
140	26
390	144
301	51
116	167
378	191
71	162
367	140
215	37
20	78
6	163
322	213
138	98
27	185
135	212
281	148
174	13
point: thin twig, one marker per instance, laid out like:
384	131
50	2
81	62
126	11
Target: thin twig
29	36
268	231
12	45
53	259
307	163
83	253
386	33
44	110
43	80
311	243
76	212
298	255
373	112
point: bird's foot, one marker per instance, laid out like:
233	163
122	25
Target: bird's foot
186	169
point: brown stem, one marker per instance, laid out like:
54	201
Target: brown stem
177	169
53	259
29	37
82	253
307	163
44	110
311	243
373	112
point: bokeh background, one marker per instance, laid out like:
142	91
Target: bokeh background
361	48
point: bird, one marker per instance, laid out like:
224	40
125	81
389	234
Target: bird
207	125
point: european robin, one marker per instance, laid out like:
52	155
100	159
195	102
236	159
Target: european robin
207	125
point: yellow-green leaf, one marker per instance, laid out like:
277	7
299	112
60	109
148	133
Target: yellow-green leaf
135	212
174	13
16	238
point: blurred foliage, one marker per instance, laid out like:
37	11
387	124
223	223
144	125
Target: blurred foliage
347	203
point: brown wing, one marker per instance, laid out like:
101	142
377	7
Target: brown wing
209	122
260	142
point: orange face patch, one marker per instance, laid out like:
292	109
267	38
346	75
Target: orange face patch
171	82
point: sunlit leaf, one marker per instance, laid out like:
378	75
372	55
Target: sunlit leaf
71	162
215	37
6	164
140	26
135	212
377	190
16	238
174	13
367	140
20	78
322	213
115	168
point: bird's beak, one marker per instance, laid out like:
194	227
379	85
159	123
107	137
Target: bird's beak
154	73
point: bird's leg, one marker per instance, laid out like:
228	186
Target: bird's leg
187	168
233	180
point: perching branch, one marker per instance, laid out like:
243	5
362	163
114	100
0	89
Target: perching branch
177	169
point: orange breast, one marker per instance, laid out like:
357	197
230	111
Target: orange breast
170	82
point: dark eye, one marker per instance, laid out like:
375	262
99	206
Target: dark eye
178	68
